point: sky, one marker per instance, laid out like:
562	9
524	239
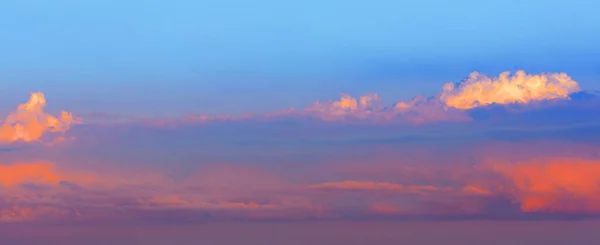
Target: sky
273	52
270	122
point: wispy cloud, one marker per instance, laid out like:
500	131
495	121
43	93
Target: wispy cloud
21	173
552	185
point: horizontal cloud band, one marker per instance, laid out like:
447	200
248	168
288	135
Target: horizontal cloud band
448	105
38	191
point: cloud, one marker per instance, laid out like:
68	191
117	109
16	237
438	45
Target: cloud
21	173
355	185
421	110
29	122
29	191
384	208
347	107
372	186
24	214
569	185
415	183
475	190
451	104
480	90
350	171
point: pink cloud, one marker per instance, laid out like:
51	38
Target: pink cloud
399	187
568	185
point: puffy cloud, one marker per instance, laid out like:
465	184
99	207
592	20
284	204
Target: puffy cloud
30	122
477	90
481	90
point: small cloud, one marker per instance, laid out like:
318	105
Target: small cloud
347	107
29	122
384	208
372	186
356	185
474	190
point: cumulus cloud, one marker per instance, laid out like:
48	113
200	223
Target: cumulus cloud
477	90
481	90
29	122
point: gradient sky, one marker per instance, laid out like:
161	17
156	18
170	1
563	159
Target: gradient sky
194	56
269	122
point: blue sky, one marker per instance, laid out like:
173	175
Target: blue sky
194	56
477	161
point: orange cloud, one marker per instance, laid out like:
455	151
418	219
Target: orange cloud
39	173
474	190
179	202
562	185
480	90
29	122
382	186
346	107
